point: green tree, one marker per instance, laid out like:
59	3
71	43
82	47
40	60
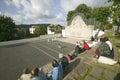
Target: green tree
23	33
83	8
115	15
40	30
7	28
70	14
101	15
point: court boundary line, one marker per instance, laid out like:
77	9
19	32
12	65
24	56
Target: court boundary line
43	51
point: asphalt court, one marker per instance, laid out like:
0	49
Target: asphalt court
14	58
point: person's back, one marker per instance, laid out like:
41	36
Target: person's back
55	73
104	49
64	62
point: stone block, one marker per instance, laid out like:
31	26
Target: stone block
96	72
109	75
89	78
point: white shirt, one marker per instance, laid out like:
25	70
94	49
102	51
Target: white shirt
110	45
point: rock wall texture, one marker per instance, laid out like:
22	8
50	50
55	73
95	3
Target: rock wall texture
78	29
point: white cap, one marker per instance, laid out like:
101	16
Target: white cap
60	55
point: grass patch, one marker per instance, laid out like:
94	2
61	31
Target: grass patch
110	35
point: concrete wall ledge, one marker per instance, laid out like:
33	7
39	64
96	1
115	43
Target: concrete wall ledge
29	39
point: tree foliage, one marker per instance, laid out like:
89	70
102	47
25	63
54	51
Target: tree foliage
115	15
22	33
101	15
40	30
82	8
7	28
70	14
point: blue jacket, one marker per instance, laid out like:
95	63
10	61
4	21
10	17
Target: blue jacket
60	74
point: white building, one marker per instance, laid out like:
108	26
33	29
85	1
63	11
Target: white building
54	27
32	29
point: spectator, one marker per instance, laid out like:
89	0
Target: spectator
103	49
64	61
38	74
111	48
85	46
56	73
26	75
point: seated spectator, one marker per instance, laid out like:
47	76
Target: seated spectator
108	42
111	48
57	72
103	49
85	46
64	62
95	35
26	75
38	74
77	51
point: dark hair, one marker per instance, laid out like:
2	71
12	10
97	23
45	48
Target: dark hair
106	39
26	71
84	42
102	40
54	63
34	72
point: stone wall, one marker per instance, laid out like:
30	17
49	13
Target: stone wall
78	29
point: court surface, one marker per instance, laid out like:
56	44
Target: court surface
14	58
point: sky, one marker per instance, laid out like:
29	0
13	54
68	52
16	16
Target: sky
43	11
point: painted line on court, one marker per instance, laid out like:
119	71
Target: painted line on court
50	48
43	51
56	50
